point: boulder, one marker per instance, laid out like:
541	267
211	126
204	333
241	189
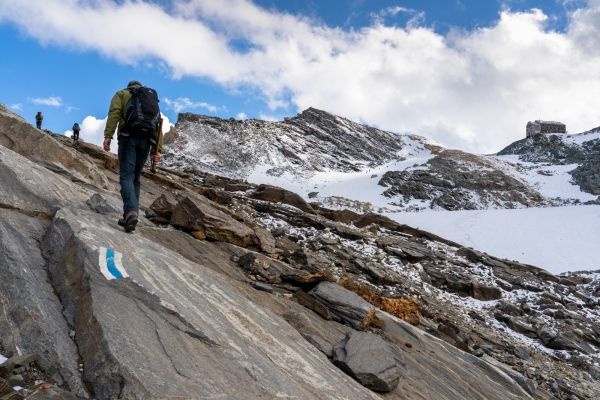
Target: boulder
369	360
313	304
486	293
522	353
372	218
163	209
518	325
349	306
344	216
561	342
276	194
274	271
198	214
218	196
266	241
382	274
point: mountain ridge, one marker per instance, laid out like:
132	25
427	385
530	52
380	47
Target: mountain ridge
417	173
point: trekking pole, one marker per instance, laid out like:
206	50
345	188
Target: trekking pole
155	152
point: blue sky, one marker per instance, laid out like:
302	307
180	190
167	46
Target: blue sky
405	66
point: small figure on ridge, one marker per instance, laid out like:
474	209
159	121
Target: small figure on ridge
76	130
38	120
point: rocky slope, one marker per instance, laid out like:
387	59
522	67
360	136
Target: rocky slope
335	161
236	290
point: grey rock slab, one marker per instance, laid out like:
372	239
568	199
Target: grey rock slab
172	328
32	189
31	320
368	359
349	306
18	135
528	385
434	369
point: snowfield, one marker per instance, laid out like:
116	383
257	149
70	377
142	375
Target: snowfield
558	239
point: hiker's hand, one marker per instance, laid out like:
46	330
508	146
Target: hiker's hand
107	144
156	159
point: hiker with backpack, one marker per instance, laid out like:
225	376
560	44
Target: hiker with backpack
38	120
76	130
135	112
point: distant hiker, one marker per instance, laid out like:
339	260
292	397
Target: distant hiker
38	120
136	113
76	130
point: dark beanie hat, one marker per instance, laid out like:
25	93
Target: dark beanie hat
132	83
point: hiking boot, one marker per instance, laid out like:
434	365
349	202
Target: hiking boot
121	222
131	220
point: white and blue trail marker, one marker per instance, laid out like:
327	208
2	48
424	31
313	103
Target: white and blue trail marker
111	264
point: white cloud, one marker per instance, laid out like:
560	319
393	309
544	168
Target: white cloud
17	106
184	103
265	117
49	101
242	116
474	90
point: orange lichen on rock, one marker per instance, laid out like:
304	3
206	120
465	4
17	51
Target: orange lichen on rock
405	308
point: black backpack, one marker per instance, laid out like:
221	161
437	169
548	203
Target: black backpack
143	114
76	127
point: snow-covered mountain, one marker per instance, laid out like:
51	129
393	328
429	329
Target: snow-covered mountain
344	164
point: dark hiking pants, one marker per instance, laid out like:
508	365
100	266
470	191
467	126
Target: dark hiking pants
76	135
38	124
133	152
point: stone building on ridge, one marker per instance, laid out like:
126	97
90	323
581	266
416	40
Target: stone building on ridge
538	126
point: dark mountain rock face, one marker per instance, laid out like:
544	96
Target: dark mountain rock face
312	141
557	149
458	181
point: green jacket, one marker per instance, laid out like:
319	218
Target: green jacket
116	115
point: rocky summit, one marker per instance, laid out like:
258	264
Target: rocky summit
240	290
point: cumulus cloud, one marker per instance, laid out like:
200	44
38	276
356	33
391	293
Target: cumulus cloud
17	106
266	117
242	116
474	90
183	103
49	101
